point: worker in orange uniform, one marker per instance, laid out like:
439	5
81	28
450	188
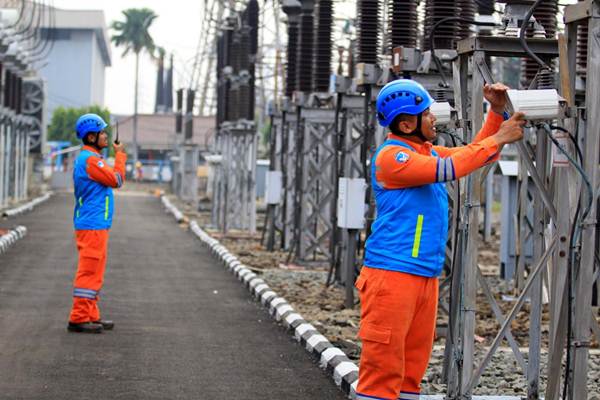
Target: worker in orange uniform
94	204
398	285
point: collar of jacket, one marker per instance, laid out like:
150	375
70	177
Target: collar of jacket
421	148
90	148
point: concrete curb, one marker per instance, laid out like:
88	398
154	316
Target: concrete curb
27	206
179	217
331	358
7	240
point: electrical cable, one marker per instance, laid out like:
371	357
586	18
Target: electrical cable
435	58
523	41
455	249
574	239
51	38
19	18
35	5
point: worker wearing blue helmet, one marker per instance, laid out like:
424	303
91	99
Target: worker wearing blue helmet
398	285
93	182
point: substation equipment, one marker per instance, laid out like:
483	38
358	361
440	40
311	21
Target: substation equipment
22	100
324	133
236	139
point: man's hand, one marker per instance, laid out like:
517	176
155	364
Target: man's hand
119	147
511	130
496	95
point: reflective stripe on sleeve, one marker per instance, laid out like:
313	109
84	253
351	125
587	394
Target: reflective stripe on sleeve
445	170
106	208
85	293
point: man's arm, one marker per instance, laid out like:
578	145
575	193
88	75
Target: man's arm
99	171
490	127
398	168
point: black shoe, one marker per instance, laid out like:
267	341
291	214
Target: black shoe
107	324
85	327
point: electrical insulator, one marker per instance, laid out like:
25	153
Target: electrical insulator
306	47
403	23
446	34
368	14
323	45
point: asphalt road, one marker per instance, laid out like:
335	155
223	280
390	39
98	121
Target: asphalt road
185	328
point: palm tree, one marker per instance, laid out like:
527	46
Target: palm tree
133	35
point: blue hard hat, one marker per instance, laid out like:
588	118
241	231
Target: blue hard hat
89	123
402	96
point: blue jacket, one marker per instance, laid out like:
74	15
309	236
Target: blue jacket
94	202
411	229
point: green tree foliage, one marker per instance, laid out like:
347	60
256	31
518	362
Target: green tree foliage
133	35
62	126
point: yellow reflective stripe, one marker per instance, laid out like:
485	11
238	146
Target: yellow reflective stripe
417	242
106	209
78	208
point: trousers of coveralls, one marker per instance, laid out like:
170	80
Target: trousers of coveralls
92	246
398	315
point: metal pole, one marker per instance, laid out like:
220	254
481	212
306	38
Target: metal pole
558	290
535	316
472	203
584	277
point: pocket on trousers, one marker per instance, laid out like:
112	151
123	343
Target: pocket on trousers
360	282
375	333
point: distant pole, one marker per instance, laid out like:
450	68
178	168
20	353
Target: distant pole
135	115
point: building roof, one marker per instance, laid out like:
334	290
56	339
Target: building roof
157	131
83	20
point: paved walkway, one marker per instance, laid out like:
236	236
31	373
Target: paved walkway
185	328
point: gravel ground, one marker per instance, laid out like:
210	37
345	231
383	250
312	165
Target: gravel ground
323	306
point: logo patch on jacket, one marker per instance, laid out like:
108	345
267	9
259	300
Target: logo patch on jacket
100	164
402	157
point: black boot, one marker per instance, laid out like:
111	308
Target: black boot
107	324
85	327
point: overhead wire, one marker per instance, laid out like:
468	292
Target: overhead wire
19	18
436	59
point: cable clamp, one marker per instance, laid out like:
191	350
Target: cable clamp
472	205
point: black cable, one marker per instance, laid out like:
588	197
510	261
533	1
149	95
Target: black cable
19	18
523	41
34	31
577	148
454	250
42	53
35	6
574	238
436	60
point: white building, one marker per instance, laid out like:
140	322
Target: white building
74	70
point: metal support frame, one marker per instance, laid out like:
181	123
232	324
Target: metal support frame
315	185
234	204
352	165
550	225
14	156
283	155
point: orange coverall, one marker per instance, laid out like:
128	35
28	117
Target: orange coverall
398	310
93	244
